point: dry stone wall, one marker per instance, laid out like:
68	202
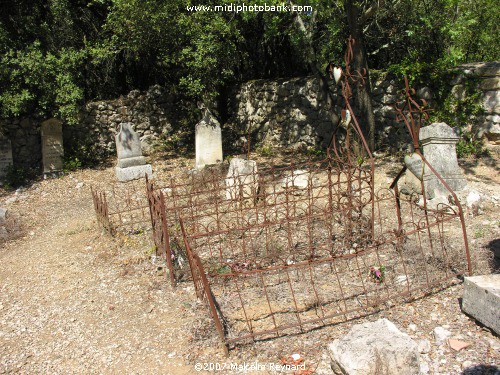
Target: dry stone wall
288	112
284	112
148	112
488	77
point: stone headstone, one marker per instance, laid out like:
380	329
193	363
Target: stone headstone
5	155
131	164
52	147
481	299
208	141
439	148
415	165
376	348
241	179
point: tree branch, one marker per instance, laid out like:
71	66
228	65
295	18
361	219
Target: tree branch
371	11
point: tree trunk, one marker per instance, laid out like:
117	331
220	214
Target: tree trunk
363	99
325	95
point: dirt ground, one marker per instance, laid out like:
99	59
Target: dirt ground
74	300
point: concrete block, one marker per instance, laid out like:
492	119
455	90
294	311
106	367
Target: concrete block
133	173
481	299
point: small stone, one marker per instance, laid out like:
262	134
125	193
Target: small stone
412	327
166	191
3	215
441	334
3	233
457	344
11	200
473	199
466	364
424	346
79	185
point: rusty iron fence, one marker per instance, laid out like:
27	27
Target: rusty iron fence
122	207
275	268
287	249
284	250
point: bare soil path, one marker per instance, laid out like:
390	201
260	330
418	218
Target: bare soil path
73	301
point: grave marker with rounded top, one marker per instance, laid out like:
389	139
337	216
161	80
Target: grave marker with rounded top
52	148
208	141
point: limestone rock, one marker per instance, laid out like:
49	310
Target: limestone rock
3	233
3	215
441	334
376	348
473	199
299	180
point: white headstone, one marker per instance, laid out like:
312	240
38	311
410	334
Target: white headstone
439	148
208	141
5	155
52	147
131	164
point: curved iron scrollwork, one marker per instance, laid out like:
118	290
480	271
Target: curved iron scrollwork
411	113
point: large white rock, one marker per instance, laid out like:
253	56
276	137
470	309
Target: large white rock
376	348
473	199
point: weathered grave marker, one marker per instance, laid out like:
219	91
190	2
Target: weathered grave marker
208	141
5	155
241	179
131	164
52	147
439	148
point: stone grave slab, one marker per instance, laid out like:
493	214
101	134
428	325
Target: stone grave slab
481	299
52	147
5	155
208	141
439	148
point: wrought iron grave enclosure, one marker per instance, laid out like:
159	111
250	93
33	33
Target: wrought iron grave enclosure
283	250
